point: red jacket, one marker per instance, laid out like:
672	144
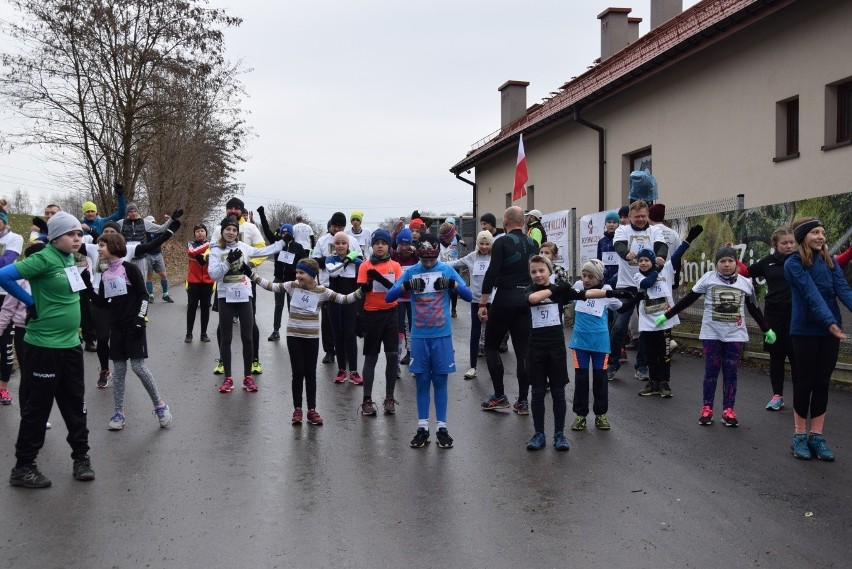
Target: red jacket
197	271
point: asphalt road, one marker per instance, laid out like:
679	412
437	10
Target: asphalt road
232	484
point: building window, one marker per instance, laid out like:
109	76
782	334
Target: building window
786	129
637	160
508	200
838	114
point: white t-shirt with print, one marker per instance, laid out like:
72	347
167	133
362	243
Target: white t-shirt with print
302	233
659	300
636	241
724	307
325	248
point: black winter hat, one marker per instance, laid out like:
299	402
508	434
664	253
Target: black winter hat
235	202
489	218
338	218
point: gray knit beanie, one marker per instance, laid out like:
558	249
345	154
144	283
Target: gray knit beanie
61	223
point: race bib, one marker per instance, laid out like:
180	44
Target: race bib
305	300
74	279
115	287
656	291
593	306
286	257
237	293
429	279
479	268
379	287
545	315
610	258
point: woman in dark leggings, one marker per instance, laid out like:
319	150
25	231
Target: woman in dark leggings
199	285
816	284
777	310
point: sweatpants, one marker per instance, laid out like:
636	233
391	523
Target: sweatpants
816	357
381	326
658	355
303	361
102	328
548	366
476	326
198	294
7	359
225	331
48	374
342	318
724	356
327	332
600	385
516	321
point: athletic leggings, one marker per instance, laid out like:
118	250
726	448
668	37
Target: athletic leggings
515	320
781	350
560	407
101	318
476	326
438	382
342	318
198	294
303	361
225	331
142	372
600	385
658	355
724	356
403	324
816	357
7	358
280	299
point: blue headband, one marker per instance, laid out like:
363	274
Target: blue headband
305	268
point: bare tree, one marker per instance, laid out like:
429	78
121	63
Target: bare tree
21	201
93	77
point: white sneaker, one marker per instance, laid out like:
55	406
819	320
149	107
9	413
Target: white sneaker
470	374
672	346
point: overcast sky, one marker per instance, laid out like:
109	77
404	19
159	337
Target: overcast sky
368	104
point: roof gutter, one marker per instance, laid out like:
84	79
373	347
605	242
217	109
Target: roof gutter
601	156
473	187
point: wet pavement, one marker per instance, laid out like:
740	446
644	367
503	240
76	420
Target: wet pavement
232	483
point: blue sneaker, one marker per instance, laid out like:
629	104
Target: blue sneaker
560	441
800	446
495	402
163	415
819	448
775	404
537	442
611	371
116	423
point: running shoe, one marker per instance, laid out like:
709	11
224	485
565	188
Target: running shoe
83	469
504	347
91	347
220	368
167	298
775	404
602	423
163	415
641	373
537	442
150	298
421	438
560	441
672	346
116	423
249	384
314	417
406	359
368	408
729	418
444	438
340	377
5	398
297	416
227	385
481	352
328	358
104	376
611	371
188	339
453	313
274	337
256	367
205	338
495	402
819	448
579	423
651	388
665	390
706	417
389	405
800	446
28	477
470	374
355	378
521	407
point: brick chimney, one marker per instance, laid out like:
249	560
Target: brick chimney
664	10
513	101
614	31
633	29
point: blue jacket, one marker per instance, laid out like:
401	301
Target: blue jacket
605	246
97	225
815	292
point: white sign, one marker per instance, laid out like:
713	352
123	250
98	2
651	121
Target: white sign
591	229
558	227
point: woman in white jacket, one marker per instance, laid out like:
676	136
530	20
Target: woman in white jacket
227	266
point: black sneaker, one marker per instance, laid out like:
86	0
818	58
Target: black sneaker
83	469
91	347
28	477
421	438
406	359
188	339
103	378
665	390
167	298
329	358
444	438
274	337
205	338
651	388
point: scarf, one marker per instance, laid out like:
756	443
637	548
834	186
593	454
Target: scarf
375	259
115	269
727	279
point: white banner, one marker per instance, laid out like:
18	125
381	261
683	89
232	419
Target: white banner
558	228
591	229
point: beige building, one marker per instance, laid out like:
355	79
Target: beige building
729	97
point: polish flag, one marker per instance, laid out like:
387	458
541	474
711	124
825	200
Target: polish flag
521	176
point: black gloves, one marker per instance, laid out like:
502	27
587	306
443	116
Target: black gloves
417	284
201	260
32	314
379	278
246	269
119	188
694	232
87	278
620	294
443	283
176	214
234	255
261	210
173	226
